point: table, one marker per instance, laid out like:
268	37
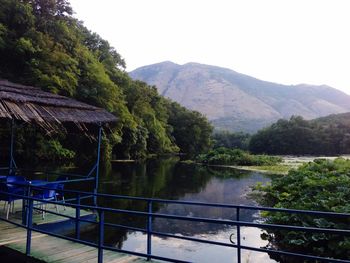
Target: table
38	182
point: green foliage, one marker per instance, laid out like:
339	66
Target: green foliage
150	112
191	131
52	150
328	136
41	44
231	140
321	185
225	156
274	169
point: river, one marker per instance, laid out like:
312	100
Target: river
170	179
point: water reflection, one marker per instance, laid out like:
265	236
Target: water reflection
169	179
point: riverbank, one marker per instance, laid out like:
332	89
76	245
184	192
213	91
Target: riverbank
272	169
288	163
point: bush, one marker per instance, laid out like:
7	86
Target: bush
54	151
321	185
225	156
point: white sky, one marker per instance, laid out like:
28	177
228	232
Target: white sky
284	41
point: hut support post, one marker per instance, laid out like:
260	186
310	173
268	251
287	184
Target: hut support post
12	160
98	162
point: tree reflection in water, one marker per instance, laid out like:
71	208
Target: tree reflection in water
171	179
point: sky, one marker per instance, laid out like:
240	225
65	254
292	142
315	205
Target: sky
283	41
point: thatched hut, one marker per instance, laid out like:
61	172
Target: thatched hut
31	104
50	111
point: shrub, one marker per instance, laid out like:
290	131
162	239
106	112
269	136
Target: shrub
225	156
321	185
53	150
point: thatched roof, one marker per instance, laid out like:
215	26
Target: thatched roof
31	104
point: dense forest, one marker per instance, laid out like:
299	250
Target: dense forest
328	135
238	140
323	136
42	44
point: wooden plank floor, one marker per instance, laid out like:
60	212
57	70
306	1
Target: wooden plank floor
51	249
37	216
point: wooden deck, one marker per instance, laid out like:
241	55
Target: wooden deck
51	249
37	217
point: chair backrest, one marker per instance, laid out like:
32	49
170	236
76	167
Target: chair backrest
15	179
15	182
12	185
61	178
50	192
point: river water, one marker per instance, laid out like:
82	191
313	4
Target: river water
170	179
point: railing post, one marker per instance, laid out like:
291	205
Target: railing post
149	231
101	235
98	163
238	236
11	147
77	218
25	203
29	226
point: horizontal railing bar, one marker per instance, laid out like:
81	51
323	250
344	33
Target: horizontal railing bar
86	220
198	240
54	213
42	185
260	208
67	201
199	219
247	247
51	173
12	222
194	239
64	237
257	208
249	224
179	237
126	227
115	225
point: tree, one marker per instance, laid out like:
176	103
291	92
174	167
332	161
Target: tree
191	130
41	44
298	136
231	140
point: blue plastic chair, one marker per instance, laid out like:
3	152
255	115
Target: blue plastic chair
16	185
47	193
60	188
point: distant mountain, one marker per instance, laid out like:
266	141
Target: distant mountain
237	102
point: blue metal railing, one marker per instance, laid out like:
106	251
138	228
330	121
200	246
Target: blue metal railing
150	215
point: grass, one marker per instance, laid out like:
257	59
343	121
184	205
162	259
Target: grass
274	169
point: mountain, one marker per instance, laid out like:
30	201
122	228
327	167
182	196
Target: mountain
238	102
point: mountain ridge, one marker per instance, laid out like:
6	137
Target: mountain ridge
238	102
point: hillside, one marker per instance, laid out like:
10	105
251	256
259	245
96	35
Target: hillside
342	119
43	45
238	102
